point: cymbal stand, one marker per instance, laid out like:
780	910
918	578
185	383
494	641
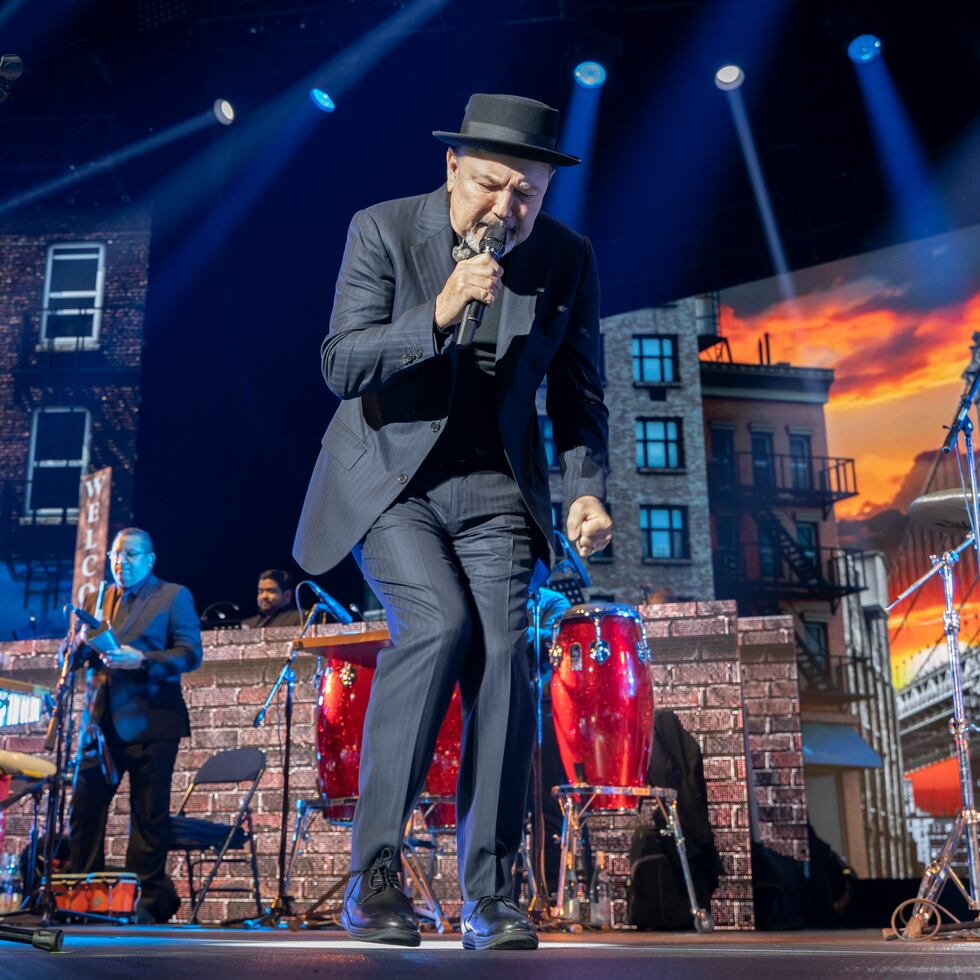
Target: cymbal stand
282	906
965	826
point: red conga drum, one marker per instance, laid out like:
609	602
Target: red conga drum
602	697
344	693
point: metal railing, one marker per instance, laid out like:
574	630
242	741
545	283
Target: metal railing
820	480
829	573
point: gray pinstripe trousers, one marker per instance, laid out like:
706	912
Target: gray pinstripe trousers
451	562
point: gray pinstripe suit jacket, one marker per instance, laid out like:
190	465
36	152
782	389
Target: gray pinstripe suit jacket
394	374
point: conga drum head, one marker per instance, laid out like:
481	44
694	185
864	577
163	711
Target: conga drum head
602	697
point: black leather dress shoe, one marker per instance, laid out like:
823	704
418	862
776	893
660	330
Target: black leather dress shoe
493	922
375	909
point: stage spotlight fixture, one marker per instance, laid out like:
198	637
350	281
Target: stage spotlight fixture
321	100
863	49
223	111
590	74
729	77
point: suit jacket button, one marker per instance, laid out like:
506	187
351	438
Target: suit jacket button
403	478
406	359
436	426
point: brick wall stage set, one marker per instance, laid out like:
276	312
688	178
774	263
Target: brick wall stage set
732	682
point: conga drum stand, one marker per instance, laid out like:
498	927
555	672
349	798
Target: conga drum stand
576	802
426	905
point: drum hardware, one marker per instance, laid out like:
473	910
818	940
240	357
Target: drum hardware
598	649
945	511
576	800
426	906
347	674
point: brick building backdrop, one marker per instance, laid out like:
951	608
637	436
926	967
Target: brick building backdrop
72	296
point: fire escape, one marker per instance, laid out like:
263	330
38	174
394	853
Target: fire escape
783	566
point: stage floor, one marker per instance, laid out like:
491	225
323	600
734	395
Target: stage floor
105	953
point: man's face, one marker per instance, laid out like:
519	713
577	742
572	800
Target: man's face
271	597
486	186
130	560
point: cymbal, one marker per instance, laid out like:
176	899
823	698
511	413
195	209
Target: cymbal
942	510
22	764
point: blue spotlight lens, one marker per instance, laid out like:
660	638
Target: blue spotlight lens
321	100
863	49
590	74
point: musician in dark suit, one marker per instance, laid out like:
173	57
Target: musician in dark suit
134	718
433	472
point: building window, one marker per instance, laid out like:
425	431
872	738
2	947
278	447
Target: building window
655	360
664	532
58	458
722	456
606	555
548	435
659	445
73	285
800	462
815	640
808	540
769	558
762	460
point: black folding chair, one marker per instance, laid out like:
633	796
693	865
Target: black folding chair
212	840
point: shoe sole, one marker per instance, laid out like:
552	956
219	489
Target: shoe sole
390	936
520	940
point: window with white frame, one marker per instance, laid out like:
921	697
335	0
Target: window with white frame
73	285
58	458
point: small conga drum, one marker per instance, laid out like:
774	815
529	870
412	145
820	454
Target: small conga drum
344	692
342	705
602	697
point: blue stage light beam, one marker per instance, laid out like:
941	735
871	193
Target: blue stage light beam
78	174
570	190
777	253
671	164
911	187
275	134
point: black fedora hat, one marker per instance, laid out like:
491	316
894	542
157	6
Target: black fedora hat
511	125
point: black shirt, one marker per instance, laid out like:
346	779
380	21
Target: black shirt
471	440
281	617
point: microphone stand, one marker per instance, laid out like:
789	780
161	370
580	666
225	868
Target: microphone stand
539	906
282	906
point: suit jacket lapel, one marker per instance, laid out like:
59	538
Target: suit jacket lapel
129	625
433	252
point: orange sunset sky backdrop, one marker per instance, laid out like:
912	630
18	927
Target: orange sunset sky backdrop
896	326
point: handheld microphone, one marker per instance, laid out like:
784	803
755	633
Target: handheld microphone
493	243
336	609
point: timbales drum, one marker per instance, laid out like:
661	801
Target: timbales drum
344	692
602	697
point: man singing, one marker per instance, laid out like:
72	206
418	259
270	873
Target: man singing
433	472
134	707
